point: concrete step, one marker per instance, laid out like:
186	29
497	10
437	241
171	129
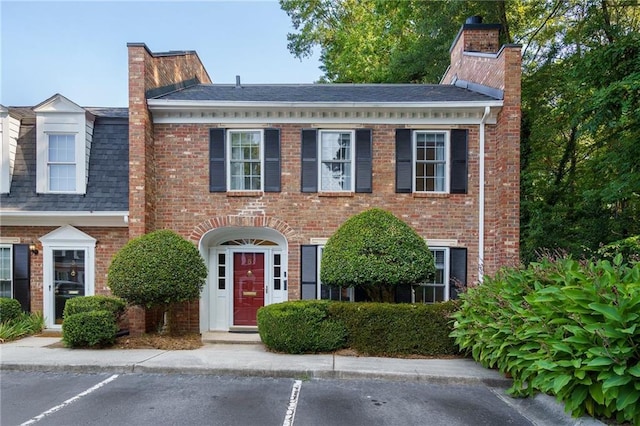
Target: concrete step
230	337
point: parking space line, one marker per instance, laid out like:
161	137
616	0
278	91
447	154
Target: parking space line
69	401
293	403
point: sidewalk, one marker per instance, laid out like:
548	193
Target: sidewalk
35	354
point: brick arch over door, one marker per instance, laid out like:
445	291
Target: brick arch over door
243	221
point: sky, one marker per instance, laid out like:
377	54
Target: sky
79	48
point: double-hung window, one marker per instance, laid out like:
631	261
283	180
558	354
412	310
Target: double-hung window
431	161
245	162
336	160
312	287
430	153
61	163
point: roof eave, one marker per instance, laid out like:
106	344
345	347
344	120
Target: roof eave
59	218
167	104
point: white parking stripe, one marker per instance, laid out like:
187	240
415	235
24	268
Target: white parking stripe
293	403
69	401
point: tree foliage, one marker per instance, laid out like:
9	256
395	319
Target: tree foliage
157	269
580	183
376	251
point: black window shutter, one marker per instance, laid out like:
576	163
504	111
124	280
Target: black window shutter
22	276
458	271
309	271
272	160
217	164
309	178
458	161
404	169
364	154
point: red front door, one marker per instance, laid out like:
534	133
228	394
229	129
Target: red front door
248	287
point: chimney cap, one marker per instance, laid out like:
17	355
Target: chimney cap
476	19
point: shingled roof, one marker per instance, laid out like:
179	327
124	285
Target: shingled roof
327	93
108	185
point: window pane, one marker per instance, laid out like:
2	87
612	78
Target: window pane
62	177
245	161
62	149
335	154
5	272
430	159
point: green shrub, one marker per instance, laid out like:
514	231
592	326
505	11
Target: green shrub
9	309
385	329
561	327
111	304
629	248
89	329
23	325
158	270
300	327
376	251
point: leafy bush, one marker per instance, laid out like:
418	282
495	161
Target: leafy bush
158	269
561	327
89	329
23	325
95	303
9	309
397	329
300	327
375	251
629	248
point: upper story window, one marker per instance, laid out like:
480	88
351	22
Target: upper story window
336	160
64	134
245	163
61	163
430	150
244	160
431	161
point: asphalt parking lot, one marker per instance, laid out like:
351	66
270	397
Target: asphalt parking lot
158	399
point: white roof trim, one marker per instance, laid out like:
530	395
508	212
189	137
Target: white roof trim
61	218
158	104
417	114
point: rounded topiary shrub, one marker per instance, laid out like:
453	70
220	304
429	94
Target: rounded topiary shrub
111	304
300	327
10	309
89	329
376	251
158	269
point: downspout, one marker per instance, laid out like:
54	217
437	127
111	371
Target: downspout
487	110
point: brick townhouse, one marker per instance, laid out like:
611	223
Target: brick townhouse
258	177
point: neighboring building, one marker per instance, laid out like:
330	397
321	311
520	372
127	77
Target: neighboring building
258	177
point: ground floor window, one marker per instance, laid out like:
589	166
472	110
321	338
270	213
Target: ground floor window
6	281
449	279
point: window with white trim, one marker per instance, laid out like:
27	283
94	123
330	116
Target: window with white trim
245	161
430	161
336	160
6	281
438	289
61	162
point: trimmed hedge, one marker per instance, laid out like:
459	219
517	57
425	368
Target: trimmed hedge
370	328
386	329
111	304
89	329
301	326
561	327
10	309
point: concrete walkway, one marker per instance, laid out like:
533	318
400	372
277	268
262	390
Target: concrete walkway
250	358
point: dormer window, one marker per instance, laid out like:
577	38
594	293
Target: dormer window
61	163
64	132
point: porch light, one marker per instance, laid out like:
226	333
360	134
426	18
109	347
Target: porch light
33	248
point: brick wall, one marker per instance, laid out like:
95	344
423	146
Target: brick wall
187	206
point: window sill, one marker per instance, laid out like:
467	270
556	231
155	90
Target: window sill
431	195
336	194
245	193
